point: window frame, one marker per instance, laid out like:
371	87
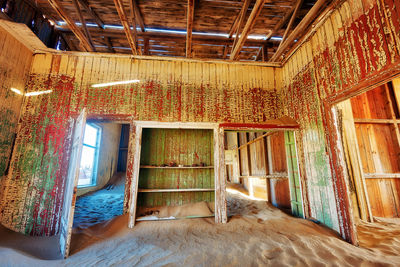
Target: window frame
93	181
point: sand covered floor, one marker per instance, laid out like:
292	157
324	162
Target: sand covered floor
102	205
257	234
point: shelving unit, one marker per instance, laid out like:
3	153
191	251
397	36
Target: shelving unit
177	167
174	186
176	190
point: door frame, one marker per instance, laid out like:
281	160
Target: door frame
335	147
107	119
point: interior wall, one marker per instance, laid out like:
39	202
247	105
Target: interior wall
169	90
108	156
356	45
15	62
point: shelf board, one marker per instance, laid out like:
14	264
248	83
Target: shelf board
167	167
176	190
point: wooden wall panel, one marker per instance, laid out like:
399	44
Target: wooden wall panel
168	91
354	47
15	63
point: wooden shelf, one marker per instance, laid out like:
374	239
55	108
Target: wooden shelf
176	190
177	167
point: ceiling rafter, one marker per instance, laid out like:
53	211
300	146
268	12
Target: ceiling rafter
138	15
83	22
71	24
247	28
189	27
301	27
289	26
276	28
92	13
124	21
241	21
109	44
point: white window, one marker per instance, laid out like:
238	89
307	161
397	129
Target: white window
90	156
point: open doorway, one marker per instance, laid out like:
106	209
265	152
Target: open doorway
369	126
262	165
102	173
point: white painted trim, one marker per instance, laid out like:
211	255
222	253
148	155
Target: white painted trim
177	125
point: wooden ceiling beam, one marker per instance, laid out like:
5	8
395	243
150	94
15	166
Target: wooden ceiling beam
247	28
110	47
70	44
83	22
138	15
91	12
71	24
301	27
124	20
241	21
189	27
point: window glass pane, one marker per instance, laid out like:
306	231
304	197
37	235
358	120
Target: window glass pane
87	166
90	135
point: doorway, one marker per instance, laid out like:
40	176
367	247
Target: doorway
371	132
262	165
102	173
94	190
369	125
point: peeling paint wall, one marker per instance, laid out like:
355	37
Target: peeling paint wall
15	63
356	46
168	91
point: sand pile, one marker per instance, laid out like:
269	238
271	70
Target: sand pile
382	237
101	205
257	234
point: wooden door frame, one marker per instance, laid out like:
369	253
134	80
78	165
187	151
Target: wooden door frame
219	167
120	119
335	147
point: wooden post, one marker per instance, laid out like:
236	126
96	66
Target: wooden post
136	149
219	172
189	27
270	167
